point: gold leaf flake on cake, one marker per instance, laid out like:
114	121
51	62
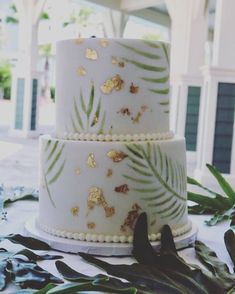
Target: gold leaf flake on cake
134	89
91	54
116	155
130	220
91	226
115	61
78	171
118	82
109	173
107	87
122	189
79	40
124	111
96	198
115	83
137	117
91	161
75	210
81	71
104	42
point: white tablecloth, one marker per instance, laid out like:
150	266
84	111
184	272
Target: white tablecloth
18	213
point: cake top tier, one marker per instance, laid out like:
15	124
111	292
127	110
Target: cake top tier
112	86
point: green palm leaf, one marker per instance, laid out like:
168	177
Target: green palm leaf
83	105
77	114
97	114
164	102
160	178
145	66
53	168
165	50
91	102
157	81
160	91
140	52
152	44
101	129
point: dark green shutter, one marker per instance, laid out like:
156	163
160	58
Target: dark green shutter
19	104
34	104
224	127
191	124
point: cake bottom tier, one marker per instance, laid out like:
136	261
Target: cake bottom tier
95	191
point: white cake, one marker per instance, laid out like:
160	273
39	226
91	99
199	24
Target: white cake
113	155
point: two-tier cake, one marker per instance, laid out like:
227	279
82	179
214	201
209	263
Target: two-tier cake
113	155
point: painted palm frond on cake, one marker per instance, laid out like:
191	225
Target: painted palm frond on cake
53	165
156	76
157	179
86	116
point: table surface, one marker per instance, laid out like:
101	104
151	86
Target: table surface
18	213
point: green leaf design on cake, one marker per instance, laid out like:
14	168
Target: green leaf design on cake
54	165
86	116
157	179
157	84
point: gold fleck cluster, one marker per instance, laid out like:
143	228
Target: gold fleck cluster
114	83
91	161
91	54
91	225
122	189
75	210
116	155
96	198
117	62
130	220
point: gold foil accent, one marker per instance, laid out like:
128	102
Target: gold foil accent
79	40
107	87
109	173
130	220
81	71
104	42
115	61
96	198
115	83
134	89
78	171
118	82
116	156
75	210
124	111
91	54
136	119
91	226
122	189
91	161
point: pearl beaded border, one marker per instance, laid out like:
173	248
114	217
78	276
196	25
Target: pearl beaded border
101	238
115	137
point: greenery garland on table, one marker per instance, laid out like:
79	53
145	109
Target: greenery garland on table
162	272
222	206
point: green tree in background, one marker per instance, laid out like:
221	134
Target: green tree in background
5	78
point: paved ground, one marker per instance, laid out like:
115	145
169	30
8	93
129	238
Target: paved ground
19	158
19	163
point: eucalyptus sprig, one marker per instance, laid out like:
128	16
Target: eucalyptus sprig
21	267
221	206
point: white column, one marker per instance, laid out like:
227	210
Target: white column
222	70
188	37
114	23
25	82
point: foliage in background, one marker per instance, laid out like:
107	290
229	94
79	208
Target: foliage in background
5	78
221	206
79	18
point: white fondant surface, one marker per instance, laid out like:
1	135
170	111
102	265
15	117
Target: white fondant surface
70	170
139	102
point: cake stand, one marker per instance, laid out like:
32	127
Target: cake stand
96	248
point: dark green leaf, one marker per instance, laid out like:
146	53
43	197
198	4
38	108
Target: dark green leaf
200	209
29	275
3	274
91	101
229	240
216	266
218	203
225	186
45	289
219	217
71	275
28	242
35	257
